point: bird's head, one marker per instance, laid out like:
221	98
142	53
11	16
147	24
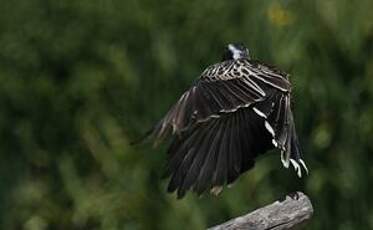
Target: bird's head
234	51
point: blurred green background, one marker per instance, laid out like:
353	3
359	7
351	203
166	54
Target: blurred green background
79	80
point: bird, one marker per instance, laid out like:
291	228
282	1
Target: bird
235	111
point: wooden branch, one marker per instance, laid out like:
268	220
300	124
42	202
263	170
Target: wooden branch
292	211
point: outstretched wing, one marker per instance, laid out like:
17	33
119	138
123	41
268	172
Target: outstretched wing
222	88
216	152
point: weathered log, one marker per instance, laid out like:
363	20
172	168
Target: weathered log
294	210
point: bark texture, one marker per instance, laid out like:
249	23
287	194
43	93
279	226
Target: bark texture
289	213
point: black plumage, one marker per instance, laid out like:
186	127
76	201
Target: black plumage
236	110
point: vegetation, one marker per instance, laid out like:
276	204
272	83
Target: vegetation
82	79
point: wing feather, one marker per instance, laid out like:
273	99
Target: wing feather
223	149
241	84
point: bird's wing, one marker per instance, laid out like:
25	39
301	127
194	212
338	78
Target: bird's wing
222	88
279	121
216	152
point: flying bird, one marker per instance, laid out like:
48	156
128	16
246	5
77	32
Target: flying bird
235	111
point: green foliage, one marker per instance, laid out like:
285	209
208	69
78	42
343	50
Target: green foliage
80	79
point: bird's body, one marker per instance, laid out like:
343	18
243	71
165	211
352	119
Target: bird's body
236	110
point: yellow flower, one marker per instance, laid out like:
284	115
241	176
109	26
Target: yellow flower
278	15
